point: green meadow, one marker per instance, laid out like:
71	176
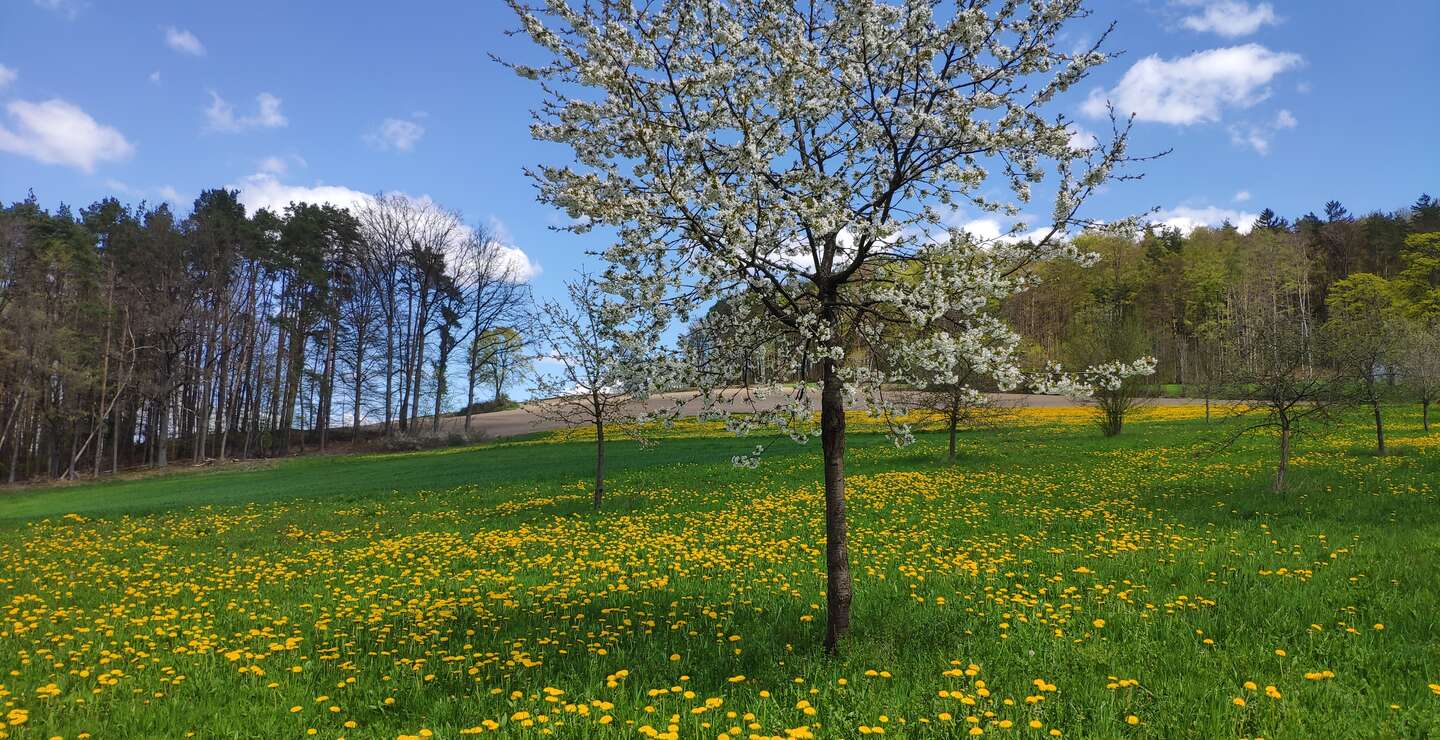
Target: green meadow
1051	582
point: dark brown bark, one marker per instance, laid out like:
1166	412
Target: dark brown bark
1379	421
838	585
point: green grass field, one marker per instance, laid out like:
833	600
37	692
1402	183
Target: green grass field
1050	583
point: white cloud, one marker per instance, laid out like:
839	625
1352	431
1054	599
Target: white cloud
520	263
183	41
1242	196
1187	218
1258	136
1229	18
269	115
169	193
396	133
264	190
1195	88
220	116
7	76
56	132
155	77
1082	139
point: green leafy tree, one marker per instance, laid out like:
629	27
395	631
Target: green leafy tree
1418	282
1366	330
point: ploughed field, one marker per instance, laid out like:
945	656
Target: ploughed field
1050	583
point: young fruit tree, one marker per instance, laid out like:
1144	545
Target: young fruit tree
812	159
1365	330
1420	366
949	398
1283	390
594	383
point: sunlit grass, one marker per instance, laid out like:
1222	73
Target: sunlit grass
1052	582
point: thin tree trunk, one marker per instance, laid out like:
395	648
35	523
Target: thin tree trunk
360	337
838	586
1425	414
1284	457
389	368
104	373
954	422
599	462
162	457
1379	420
470	392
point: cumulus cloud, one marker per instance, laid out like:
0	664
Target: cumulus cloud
520	265
155	77
220	115
1242	196
399	134
57	132
1229	18
7	76
1194	88
183	41
1188	218
265	190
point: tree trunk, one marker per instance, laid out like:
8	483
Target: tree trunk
1379	421
954	422
162	456
470	393
389	367
838	587
1425	414
360	338
599	462
1284	458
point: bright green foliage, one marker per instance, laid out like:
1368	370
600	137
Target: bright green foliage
1419	280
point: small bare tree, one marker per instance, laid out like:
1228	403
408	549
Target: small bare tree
493	293
1420	367
955	406
591	385
1283	391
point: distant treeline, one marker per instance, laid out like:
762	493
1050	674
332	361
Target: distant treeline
1186	292
130	336
1195	301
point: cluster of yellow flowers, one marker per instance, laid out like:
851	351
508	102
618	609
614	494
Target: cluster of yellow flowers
674	618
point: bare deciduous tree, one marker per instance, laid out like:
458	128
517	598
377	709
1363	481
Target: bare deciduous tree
591	383
1419	364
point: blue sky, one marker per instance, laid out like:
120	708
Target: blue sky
1278	104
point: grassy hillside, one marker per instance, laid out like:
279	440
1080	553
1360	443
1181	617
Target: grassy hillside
1050	583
